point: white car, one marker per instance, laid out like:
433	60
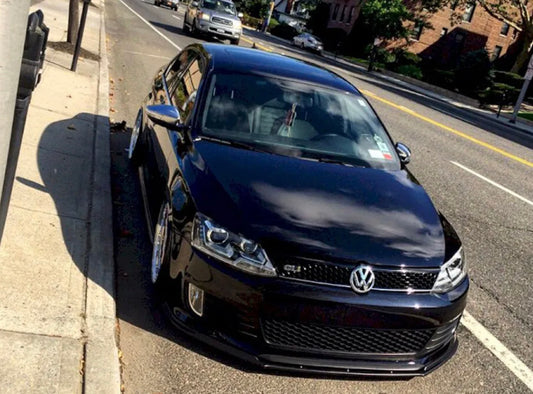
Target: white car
308	41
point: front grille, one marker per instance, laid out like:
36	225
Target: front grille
222	21
337	274
300	336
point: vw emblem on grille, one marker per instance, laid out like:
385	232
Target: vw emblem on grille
362	279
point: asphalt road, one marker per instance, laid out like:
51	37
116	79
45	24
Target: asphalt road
477	172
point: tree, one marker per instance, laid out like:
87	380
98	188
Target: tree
73	21
385	19
517	14
318	19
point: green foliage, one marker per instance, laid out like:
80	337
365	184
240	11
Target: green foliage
283	30
272	24
473	72
404	57
410	70
385	18
508	78
254	8
251	21
499	93
442	78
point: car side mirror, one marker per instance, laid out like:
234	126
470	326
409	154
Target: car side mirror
164	115
403	152
240	15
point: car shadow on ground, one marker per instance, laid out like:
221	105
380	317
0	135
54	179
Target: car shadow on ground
136	301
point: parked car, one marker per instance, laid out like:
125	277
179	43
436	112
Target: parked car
216	18
287	230
308	41
172	4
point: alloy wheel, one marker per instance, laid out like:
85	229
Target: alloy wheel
135	135
160	241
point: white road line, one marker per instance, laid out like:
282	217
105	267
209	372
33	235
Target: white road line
147	54
151	26
493	183
497	348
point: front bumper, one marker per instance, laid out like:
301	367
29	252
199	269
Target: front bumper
240	308
219	30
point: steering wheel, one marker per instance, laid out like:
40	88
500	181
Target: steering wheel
324	136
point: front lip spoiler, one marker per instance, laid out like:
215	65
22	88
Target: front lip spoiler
324	366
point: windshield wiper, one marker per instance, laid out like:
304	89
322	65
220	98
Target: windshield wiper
236	144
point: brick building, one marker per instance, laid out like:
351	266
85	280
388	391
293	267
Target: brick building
476	29
343	13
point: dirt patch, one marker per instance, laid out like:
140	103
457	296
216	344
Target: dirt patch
67	47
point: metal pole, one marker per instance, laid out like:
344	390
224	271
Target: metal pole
269	16
13	24
73	21
80	35
527	80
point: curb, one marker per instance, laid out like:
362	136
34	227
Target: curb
102	369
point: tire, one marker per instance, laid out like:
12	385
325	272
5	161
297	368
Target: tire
159	263
135	149
234	42
302	45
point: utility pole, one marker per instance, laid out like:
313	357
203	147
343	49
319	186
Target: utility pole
269	16
73	21
13	25
527	80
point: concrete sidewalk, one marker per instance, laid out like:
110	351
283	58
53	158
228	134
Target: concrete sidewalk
57	310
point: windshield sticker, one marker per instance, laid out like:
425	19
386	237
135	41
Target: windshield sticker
387	156
383	147
362	102
375	154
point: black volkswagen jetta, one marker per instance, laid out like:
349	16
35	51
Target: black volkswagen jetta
286	229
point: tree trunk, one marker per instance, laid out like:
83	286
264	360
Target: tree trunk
523	56
73	21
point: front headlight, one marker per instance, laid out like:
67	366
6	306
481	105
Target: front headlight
204	16
451	273
230	248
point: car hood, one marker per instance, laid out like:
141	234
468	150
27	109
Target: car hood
223	15
298	207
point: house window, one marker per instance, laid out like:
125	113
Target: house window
444	31
342	13
469	12
497	52
335	12
416	32
350	15
505	29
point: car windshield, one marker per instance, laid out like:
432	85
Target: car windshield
219	6
296	119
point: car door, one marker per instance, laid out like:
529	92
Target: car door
184	91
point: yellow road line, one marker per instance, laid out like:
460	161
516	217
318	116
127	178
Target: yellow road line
451	130
264	48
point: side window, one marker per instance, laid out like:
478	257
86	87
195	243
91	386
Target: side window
184	90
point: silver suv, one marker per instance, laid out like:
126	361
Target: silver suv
216	18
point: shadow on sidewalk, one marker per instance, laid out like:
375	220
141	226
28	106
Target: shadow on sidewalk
66	166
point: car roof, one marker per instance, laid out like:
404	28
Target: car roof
226	58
